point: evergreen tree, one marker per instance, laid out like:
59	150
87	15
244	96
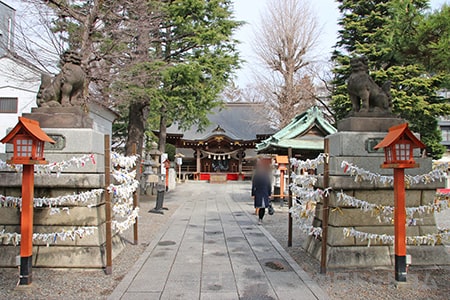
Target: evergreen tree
386	32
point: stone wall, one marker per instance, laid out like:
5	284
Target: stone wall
354	147
82	134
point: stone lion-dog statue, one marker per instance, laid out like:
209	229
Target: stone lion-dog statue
66	88
366	96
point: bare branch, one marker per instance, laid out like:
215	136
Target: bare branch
284	43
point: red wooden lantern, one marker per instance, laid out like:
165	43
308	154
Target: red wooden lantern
28	140
398	146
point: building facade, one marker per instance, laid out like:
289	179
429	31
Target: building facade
227	145
19	79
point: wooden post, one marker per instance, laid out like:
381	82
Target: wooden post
326	211
290	197
198	162
400	224
282	183
135	200
108	268
26	225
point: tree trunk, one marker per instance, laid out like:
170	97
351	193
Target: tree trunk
162	130
137	119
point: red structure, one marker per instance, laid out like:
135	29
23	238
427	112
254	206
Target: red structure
398	146
167	167
28	140
282	162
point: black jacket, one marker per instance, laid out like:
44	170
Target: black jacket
261	189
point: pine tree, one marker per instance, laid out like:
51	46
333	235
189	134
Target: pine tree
385	31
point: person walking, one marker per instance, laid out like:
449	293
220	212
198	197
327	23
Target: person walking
261	189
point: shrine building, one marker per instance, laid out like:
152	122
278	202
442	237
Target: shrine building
226	146
305	135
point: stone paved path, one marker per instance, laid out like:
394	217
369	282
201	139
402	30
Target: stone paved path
213	248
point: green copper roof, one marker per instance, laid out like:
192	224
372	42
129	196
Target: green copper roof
295	134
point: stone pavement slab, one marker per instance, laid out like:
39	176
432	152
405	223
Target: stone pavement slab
212	248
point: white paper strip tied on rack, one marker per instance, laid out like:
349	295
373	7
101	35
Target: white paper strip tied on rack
89	198
309	194
124	162
316	232
4	166
122	209
439	173
53	167
121	226
7	238
123	192
58	210
124	177
309	163
48	238
303	210
58	167
385	213
429	239
303	180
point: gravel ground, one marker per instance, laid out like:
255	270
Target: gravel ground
90	284
426	283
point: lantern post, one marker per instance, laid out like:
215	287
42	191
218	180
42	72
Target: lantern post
398	146
28	141
179	162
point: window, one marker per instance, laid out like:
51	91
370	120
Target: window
445	134
24	147
8	105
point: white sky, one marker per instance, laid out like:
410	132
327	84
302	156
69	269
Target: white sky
250	11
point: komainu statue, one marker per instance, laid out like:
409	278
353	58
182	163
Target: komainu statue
366	96
66	88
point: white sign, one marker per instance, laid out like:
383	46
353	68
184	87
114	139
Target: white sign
164	157
179	161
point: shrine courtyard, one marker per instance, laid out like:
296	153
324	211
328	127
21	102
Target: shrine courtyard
208	246
212	248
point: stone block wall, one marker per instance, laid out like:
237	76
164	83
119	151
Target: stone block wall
85	252
77	133
350	252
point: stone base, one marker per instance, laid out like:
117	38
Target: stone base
92	116
376	256
63	256
362	123
60	117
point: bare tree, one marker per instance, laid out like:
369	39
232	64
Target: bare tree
284	43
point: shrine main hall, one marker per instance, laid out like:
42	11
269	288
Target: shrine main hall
226	146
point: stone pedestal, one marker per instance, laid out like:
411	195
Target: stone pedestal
367	123
357	148
77	132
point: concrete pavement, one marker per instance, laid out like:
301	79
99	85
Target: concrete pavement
212	248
